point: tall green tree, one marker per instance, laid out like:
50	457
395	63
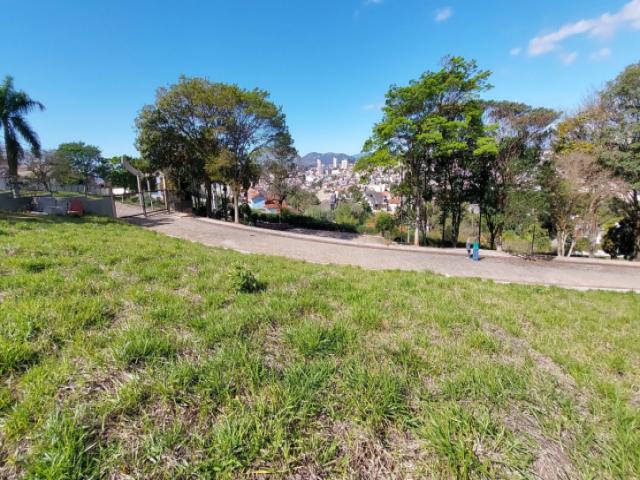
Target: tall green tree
579	148
181	132
432	130
253	128
607	129
15	105
278	172
84	159
199	132
621	101
521	132
113	172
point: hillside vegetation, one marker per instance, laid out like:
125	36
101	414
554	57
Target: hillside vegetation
127	354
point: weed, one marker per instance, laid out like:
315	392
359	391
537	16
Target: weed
244	281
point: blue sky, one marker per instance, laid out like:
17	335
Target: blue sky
327	63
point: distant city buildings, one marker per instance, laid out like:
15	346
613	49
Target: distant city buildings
335	181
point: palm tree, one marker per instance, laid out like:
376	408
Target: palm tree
14	106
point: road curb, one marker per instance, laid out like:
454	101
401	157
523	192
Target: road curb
337	241
262	237
392	248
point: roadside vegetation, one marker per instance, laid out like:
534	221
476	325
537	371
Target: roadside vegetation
528	171
126	353
523	178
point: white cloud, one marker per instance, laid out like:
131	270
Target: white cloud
601	54
443	14
373	2
515	51
569	58
605	25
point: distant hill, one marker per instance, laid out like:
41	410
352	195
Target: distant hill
326	158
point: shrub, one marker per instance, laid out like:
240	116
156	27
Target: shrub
583	245
315	212
303	221
620	240
243	281
245	213
385	222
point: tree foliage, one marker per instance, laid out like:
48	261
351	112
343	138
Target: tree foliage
520	132
180	132
433	131
607	130
15	105
622	138
83	159
199	131
278	172
42	169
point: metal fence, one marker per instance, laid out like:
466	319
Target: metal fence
33	189
125	203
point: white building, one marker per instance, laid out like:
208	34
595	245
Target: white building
377	187
344	164
335	163
319	167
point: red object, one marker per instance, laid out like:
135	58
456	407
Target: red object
75	208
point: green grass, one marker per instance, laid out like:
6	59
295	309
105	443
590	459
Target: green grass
127	354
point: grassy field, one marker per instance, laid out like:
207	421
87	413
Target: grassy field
126	354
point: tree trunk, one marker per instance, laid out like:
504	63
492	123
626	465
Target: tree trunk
533	242
12	161
15	186
492	236
236	210
499	238
209	204
559	249
225	201
480	224
573	244
456	217
562	240
416	234
636	216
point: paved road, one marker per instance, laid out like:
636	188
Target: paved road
498	267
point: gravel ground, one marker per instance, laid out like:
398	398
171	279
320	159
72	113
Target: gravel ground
494	266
